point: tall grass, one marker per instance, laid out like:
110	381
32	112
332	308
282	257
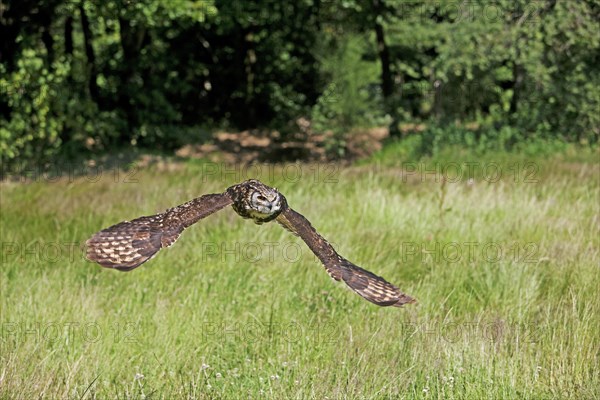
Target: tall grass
506	274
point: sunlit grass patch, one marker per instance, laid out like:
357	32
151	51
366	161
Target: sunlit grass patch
505	273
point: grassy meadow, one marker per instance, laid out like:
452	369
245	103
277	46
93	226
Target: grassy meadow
503	256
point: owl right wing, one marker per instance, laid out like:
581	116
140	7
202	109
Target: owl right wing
129	244
368	285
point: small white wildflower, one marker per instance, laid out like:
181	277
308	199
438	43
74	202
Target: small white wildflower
451	381
138	376
218	375
205	366
208	386
284	364
275	377
425	390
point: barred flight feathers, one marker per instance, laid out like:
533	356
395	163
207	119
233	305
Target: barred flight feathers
370	286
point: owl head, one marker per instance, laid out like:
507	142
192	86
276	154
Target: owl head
255	200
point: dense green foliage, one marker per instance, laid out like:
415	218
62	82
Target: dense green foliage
89	74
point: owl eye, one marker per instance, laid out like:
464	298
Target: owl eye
261	197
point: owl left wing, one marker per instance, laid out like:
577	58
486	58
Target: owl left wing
368	285
129	244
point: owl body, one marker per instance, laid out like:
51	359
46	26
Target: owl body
257	201
129	244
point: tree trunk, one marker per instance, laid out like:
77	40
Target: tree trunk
48	41
90	55
387	81
69	36
132	41
518	74
249	62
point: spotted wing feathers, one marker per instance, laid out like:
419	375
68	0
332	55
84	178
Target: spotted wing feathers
368	285
129	244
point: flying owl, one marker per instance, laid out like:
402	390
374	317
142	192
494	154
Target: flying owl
129	244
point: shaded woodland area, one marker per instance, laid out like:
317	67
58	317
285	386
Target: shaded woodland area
90	76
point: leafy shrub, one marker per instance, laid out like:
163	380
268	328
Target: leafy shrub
351	98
